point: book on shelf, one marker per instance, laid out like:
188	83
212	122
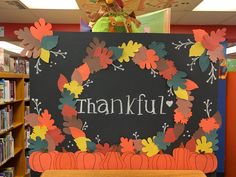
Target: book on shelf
27	110
27	90
7	172
6	148
6	118
27	136
7	90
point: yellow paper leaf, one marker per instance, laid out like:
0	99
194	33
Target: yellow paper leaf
129	50
81	143
150	147
203	145
45	55
39	131
181	93
196	50
74	87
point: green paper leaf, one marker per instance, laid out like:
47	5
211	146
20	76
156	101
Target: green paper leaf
117	52
49	42
212	137
204	62
91	146
38	145
159	47
178	80
159	141
67	98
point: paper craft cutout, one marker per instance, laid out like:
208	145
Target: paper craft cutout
49	42
170	136
68	111
81	143
127	145
204	62
149	147
38	145
56	136
41	29
117	52
199	34
61	82
46	120
76	133
32	119
129	50
71	122
167	69
39	131
159	48
181	93
160	142
196	50
203	145
104	55
190	85
217	54
191	145
209	124
212	137
74	87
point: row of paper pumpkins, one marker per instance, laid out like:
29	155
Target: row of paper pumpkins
182	159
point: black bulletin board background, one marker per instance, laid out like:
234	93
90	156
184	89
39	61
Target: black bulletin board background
110	84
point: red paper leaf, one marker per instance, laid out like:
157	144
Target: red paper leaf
104	55
76	76
68	111
180	118
170	71
170	135
84	71
198	34
75	132
127	145
61	82
45	120
191	145
104	148
190	85
32	119
209	124
212	41
217	54
56	135
51	143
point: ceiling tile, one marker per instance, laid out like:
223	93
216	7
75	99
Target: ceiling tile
204	18
16	16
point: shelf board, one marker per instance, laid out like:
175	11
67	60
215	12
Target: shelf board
27	99
9	75
17	150
10	102
26	76
15	125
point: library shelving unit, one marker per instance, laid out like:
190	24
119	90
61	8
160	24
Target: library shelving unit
18	161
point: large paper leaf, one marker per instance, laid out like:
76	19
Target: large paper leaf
61	82
37	145
159	49
67	98
49	42
181	93
204	62
196	50
117	52
159	141
32	119
178	80
45	55
199	34
212	137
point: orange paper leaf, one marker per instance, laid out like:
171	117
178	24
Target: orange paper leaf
169	135
76	133
45	120
127	145
209	124
198	34
84	71
61	82
190	85
68	111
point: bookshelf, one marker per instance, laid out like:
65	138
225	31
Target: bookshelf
17	129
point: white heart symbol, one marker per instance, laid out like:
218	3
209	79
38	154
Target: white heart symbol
169	103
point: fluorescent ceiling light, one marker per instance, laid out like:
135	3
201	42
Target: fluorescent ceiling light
216	5
10	47
230	50
51	4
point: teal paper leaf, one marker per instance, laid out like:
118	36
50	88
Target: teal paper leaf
159	47
204	62
67	98
159	141
178	80
212	137
49	42
117	52
38	145
91	146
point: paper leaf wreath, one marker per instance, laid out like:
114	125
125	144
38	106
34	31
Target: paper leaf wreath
123	101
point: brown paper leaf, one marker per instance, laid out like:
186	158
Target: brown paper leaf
77	77
216	54
29	43
51	143
138	145
71	122
218	118
178	129
93	63
32	119
198	134
140	55
94	45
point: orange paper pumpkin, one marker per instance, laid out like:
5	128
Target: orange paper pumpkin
65	161
89	161
41	162
135	161
181	156
204	162
113	161
162	162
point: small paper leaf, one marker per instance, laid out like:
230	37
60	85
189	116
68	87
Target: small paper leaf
196	50
68	111
181	93
45	55
117	52
191	145
190	85
61	82
204	62
198	34
170	135
49	42
32	119
91	146
76	133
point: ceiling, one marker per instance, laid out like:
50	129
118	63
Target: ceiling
12	11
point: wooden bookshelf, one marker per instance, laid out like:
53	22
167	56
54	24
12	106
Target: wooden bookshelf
18	128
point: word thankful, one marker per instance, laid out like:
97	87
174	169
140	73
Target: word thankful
127	105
